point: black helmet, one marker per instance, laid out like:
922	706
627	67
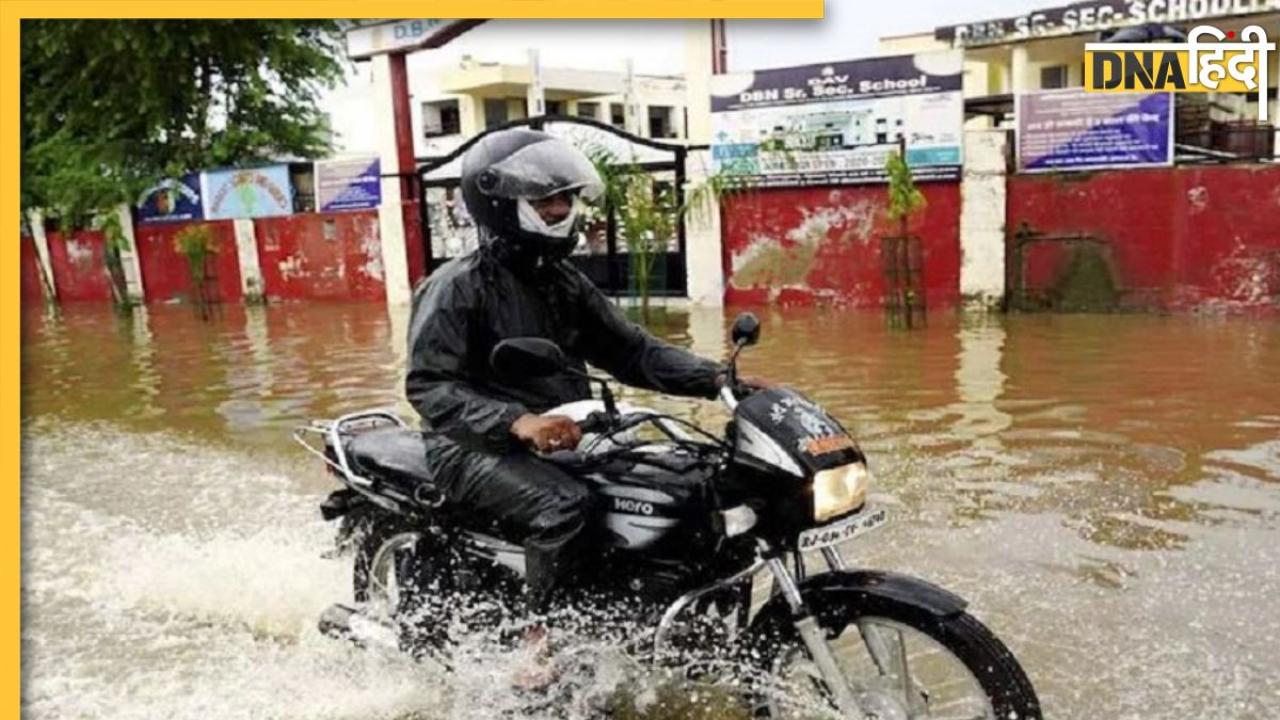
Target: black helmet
507	170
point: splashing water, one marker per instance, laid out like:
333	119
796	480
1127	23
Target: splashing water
145	614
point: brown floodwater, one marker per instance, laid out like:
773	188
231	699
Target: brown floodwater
1104	489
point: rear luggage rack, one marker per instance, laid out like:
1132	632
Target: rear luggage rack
334	431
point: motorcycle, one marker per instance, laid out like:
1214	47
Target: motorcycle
692	522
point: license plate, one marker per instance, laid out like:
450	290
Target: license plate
846	529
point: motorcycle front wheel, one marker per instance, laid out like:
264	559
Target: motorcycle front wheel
902	662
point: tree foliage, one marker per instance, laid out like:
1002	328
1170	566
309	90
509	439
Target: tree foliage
111	106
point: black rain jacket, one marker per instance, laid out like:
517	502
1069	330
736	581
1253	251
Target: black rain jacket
471	303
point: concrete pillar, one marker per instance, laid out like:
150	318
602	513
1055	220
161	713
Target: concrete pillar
35	219
703	250
630	101
1020	70
537	99
697	64
395	261
982	216
251	286
129	262
702	226
470	115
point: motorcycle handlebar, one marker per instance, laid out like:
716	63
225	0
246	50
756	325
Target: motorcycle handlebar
726	394
594	423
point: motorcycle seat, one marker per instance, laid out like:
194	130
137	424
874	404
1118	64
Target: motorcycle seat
392	454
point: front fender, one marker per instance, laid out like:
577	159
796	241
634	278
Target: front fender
840	597
872	587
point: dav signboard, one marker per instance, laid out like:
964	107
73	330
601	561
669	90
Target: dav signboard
248	193
171	200
837	123
1074	129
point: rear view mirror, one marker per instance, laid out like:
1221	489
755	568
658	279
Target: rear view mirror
525	358
746	330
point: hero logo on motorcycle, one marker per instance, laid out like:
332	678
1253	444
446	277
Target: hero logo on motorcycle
634	507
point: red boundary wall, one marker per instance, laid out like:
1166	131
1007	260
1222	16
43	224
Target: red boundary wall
1165	239
165	274
801	246
321	256
79	271
1176	239
311	256
29	264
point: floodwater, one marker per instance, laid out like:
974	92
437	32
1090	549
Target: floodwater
1104	489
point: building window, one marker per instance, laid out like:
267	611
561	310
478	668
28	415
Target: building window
660	122
440	119
589	110
554	107
617	115
1053	77
495	112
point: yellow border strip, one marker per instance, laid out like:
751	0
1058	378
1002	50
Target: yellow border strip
619	9
10	362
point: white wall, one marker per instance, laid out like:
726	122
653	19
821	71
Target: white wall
982	216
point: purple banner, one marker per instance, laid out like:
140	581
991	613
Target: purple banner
1072	129
348	184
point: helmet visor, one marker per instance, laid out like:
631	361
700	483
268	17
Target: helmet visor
540	170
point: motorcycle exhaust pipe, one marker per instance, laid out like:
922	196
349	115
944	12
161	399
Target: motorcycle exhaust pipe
344	623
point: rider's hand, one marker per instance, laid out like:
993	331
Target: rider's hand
547	433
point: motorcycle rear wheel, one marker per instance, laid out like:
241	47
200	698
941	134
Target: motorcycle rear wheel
400	575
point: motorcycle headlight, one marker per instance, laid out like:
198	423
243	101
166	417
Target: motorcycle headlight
839	490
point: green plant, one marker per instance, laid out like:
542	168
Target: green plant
115	244
197	244
905	201
644	214
904	198
648	213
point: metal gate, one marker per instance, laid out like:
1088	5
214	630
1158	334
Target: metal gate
603	257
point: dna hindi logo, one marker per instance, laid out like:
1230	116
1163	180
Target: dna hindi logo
1209	61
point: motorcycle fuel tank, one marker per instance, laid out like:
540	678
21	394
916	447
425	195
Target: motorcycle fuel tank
643	504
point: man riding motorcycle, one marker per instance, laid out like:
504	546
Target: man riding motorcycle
525	190
501	336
